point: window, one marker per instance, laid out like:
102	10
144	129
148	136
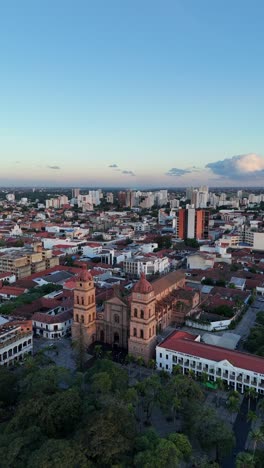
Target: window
116	318
135	312
149	332
167	366
89	318
77	318
161	355
134	332
82	318
141	334
142	314
160	364
167	357
82	301
78	300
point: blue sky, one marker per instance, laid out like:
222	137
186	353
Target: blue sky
164	90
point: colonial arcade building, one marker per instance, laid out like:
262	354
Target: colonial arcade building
239	371
132	323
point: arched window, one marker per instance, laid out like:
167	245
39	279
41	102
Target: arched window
149	332
77	318
82	318
92	298
141	333
135	312
134	332
78	300
82	301
116	318
142	314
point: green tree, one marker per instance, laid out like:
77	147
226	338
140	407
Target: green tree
257	437
250	393
213	433
233	406
251	416
140	363
152	364
245	460
58	453
129	360
98	351
8	386
182	444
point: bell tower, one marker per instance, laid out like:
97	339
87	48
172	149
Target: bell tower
142	339
84	309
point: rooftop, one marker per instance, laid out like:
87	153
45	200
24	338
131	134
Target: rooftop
185	343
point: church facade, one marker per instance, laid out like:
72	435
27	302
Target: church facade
132	323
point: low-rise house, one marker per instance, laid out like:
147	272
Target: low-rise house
55	323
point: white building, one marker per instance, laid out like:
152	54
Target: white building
238	370
148	265
16	341
54	324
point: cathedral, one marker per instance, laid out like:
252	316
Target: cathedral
132	323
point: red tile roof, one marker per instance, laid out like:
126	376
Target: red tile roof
59	318
184	343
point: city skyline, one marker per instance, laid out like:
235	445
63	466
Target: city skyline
126	95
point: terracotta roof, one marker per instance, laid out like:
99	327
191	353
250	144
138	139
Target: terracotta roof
85	274
186	344
143	286
45	318
12	290
167	281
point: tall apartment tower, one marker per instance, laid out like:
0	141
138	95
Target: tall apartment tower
84	309
142	340
75	192
193	224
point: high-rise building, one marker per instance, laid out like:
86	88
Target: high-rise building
75	192
193	223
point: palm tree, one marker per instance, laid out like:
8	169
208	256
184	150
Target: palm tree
251	416
175	406
204	377
191	374
129	360
261	408
220	386
257	436
245	460
152	364
108	355
98	351
233	406
250	393
140	362
176	369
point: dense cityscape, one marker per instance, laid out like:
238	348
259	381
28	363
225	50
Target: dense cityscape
131	234
131	327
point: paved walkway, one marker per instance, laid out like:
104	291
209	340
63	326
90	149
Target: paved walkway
62	354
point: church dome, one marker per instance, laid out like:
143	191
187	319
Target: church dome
143	286
85	275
